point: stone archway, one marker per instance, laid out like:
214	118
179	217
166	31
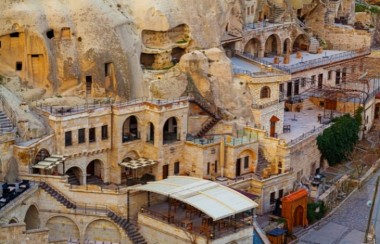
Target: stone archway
130	130
301	43
102	230
273	45
170	131
32	218
62	228
286	49
253	47
75	176
95	172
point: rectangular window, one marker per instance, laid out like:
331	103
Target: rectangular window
68	138
329	75
15	35
272	198
246	162
281	193
344	74
91	135
303	82
0	44
208	168
313	79
81	136
18	66
104	132
337	77
216	166
281	87
176	168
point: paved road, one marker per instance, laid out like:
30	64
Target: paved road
348	224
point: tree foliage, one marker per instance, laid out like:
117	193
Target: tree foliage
315	211
337	141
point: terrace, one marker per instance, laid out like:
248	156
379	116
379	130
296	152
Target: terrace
197	206
308	60
243	66
301	125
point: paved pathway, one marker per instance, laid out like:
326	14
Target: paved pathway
348	224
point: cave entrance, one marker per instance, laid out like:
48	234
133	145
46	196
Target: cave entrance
146	60
177	54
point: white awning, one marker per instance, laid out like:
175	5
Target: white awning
138	163
49	162
214	199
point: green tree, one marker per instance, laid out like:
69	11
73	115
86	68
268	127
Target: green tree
337	141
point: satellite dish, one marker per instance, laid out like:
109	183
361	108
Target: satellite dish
369	203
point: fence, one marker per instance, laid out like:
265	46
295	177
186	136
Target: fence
308	134
309	64
78	109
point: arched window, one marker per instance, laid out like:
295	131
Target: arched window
130	129
265	92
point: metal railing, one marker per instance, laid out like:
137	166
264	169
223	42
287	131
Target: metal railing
231	225
78	109
264	105
309	64
314	131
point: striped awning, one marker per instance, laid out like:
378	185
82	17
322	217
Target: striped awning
49	162
138	163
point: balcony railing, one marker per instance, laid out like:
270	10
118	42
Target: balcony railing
309	64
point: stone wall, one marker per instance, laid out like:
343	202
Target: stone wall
346	38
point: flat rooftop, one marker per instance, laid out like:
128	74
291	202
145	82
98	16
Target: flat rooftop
306	56
239	63
304	123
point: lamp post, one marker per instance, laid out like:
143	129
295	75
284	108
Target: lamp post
370	234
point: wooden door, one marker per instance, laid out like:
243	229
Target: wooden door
165	171
238	167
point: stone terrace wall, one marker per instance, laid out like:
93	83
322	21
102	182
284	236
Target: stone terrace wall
346	39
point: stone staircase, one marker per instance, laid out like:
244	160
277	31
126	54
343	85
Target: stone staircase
72	180
58	196
94	180
313	42
5	124
262	163
313	45
130	229
277	13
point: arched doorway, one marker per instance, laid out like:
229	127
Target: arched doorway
170	131
286	46
130	129
96	229
253	47
150	133
273	122
298	216
40	156
301	43
377	110
75	176
62	228
13	221
94	172
32	218
244	162
272	45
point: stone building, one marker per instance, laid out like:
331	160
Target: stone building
100	109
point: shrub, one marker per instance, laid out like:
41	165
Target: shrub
312	213
339	140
